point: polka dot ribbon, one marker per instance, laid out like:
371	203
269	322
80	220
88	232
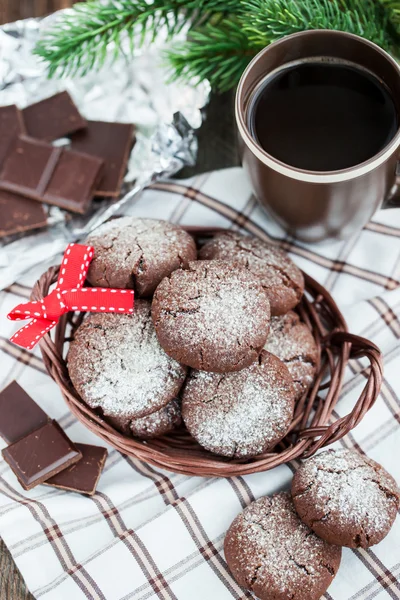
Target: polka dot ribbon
67	296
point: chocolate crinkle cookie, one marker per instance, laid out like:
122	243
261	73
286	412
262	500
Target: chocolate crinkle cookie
240	414
291	341
118	367
137	253
346	498
158	423
212	316
281	279
272	553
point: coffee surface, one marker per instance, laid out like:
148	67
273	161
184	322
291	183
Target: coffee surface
322	116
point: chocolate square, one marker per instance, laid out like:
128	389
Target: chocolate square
19	214
111	142
73	181
24	166
41	454
53	118
85	474
11	125
40	171
19	414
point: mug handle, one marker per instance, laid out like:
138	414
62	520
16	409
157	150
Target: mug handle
394	200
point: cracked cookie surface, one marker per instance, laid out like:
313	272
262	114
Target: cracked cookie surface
157	423
138	253
272	553
291	341
281	279
117	365
240	414
212	316
346	498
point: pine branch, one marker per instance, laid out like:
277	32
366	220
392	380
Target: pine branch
80	39
223	34
392	8
220	54
265	21
217	53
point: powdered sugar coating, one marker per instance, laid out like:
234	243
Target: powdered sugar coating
271	552
116	364
240	414
131	252
291	341
161	422
346	498
281	279
213	316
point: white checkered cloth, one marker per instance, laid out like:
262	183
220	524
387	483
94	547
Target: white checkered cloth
153	534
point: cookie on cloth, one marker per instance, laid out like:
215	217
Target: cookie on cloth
281	279
291	341
346	498
212	316
271	552
137	253
117	365
158	423
240	414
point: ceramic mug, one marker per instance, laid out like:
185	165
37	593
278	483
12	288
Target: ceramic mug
320	205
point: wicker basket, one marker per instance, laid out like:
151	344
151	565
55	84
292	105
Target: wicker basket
312	426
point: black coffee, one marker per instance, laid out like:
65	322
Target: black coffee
323	116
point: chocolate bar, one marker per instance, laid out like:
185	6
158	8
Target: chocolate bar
19	214
20	418
19	414
111	142
40	171
11	125
41	454
53	118
84	475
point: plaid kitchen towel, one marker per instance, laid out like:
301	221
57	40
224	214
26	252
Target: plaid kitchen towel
153	534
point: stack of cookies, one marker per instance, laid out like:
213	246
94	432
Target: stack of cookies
213	340
289	545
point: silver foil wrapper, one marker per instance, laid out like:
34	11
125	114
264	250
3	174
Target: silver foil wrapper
131	90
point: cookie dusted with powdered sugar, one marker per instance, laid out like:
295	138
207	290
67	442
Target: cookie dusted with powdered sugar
155	424
117	365
137	253
291	341
281	279
346	498
272	553
240	414
212	316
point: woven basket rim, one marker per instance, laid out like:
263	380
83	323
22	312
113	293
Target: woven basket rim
313	426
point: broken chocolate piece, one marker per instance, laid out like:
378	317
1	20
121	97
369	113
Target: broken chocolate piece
41	454
73	181
85	474
11	125
19	414
53	118
19	214
45	173
112	142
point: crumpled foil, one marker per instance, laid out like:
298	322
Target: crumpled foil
131	90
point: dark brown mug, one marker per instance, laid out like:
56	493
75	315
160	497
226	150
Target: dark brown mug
320	205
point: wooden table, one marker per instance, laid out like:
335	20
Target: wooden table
217	149
12	10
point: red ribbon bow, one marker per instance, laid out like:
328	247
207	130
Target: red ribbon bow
68	295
